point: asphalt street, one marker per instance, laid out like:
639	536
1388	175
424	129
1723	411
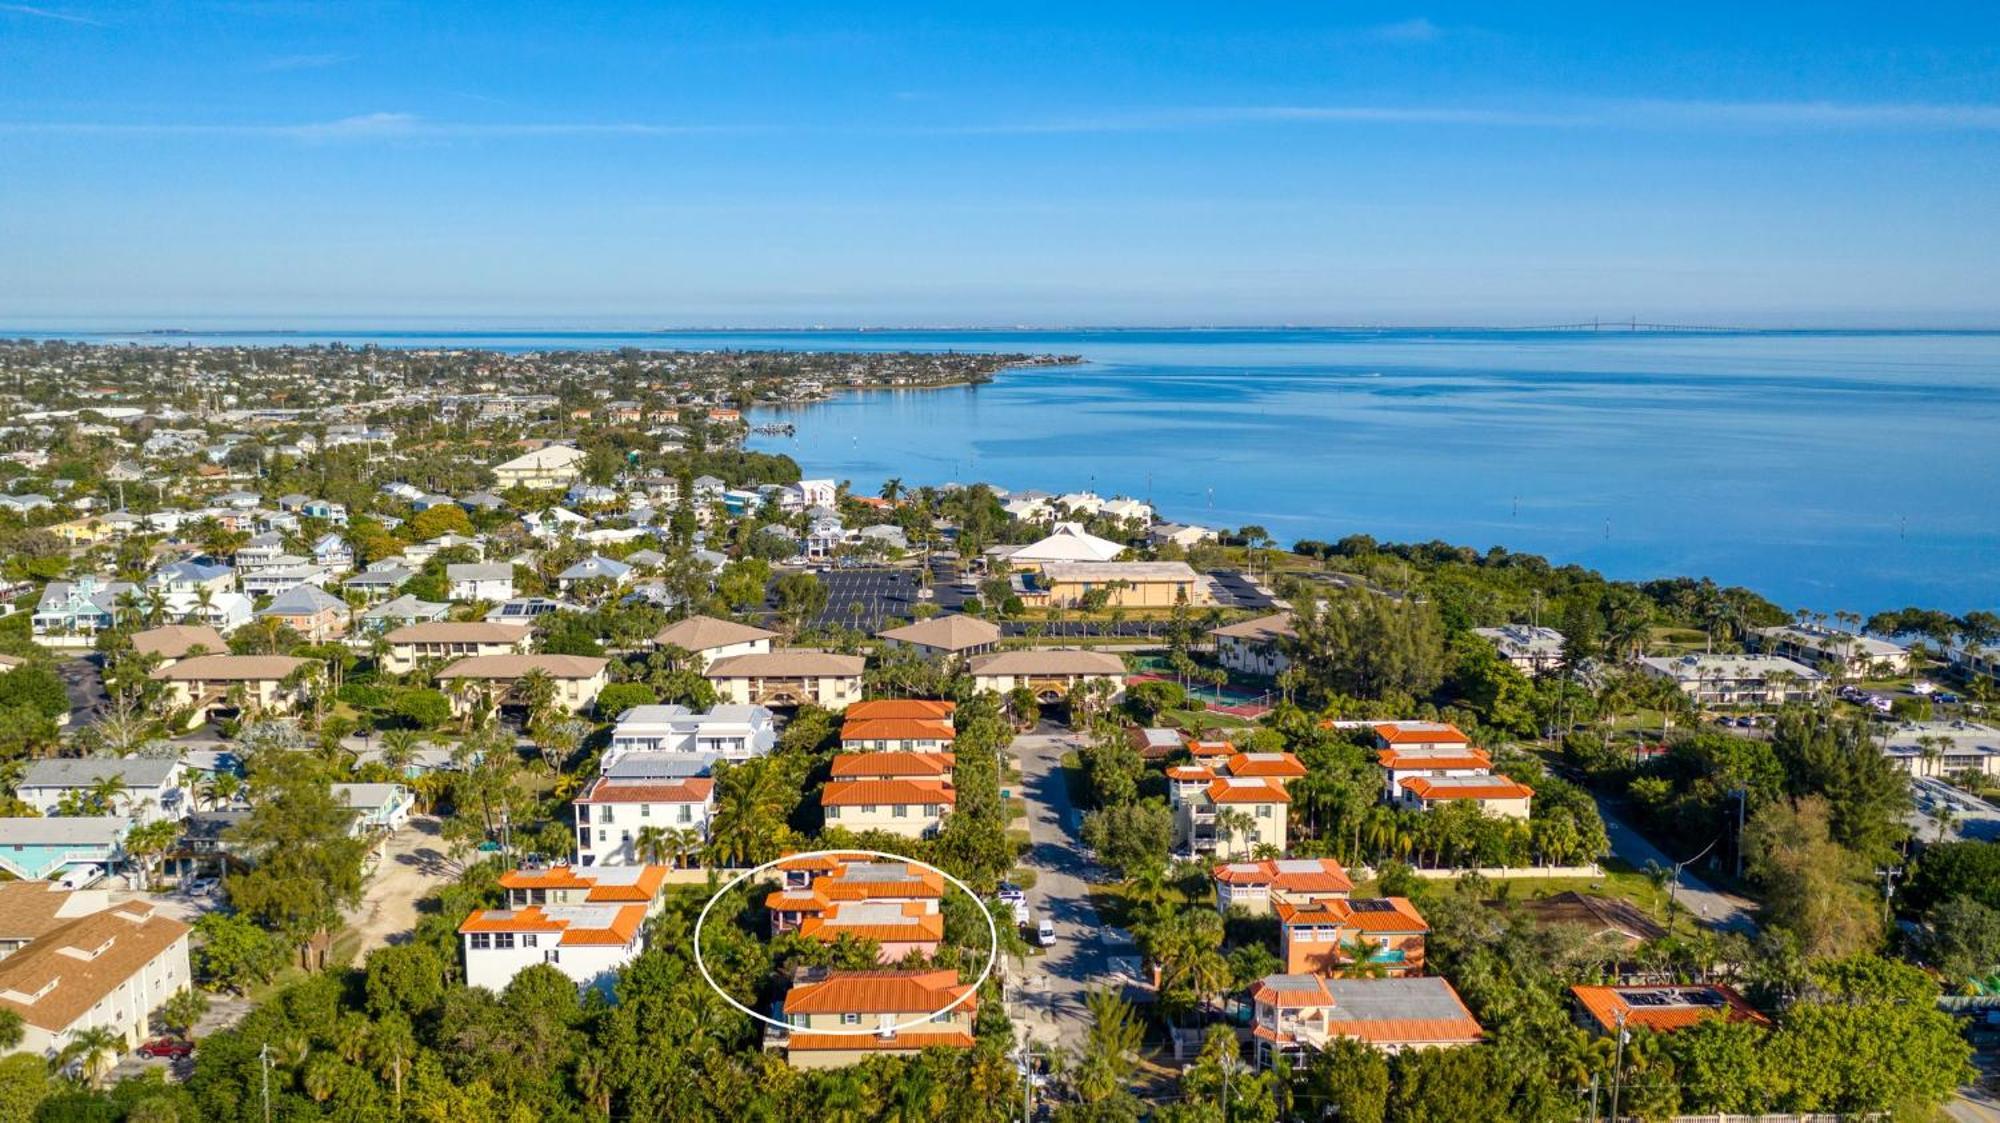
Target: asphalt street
1050	1001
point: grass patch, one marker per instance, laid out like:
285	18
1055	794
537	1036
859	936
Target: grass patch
1194	721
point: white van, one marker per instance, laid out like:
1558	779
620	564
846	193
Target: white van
81	877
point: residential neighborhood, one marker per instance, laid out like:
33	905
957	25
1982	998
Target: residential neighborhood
576	699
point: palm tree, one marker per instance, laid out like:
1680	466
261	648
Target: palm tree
750	801
892	488
93	1051
184	1011
1230	822
649	844
399	748
147	843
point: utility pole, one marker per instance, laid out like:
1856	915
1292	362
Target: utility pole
264	1055
1618	1068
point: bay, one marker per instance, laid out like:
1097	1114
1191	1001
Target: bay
1830	470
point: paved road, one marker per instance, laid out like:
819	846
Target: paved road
1715	908
1050	1000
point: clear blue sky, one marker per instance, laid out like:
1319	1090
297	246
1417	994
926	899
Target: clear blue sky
194	163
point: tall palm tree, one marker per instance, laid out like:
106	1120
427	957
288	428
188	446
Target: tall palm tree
93	1051
649	844
750	802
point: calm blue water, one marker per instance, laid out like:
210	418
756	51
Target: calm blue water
1826	470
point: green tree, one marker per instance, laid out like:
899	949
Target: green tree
1351	1079
1131	838
1814	887
234	953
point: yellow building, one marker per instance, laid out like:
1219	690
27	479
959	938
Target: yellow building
1124	584
550	467
208	682
841	1018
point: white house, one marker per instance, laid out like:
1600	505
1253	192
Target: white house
1858	656
585	922
1533	650
638	792
732	732
792	677
1944	748
550	467
149	788
488	581
1736	680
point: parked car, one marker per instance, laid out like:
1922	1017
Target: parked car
203	886
82	877
1045	936
168	1047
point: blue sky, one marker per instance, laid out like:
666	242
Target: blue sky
743	164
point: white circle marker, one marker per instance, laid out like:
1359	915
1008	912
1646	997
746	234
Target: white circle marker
992	932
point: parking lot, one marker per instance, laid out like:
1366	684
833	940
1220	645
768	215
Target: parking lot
867	598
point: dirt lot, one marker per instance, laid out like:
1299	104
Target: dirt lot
413	865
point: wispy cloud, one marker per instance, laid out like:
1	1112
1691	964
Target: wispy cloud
1631	115
1651	115
49	13
303	62
1419	30
366	127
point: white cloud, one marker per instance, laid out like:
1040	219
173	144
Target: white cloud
49	13
303	62
1418	30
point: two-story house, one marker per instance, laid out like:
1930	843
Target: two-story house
1329	935
1296	1015
896	904
148	788
487	581
497	678
917	725
586	923
552	467
788	678
1255	887
1216	810
734	733
840	1018
909	794
205	683
1255	647
450	640
709	639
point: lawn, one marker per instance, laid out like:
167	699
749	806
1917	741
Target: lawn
1620	880
1196	720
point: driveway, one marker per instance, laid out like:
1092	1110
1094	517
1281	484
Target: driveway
1050	1001
413	866
1712	906
84	679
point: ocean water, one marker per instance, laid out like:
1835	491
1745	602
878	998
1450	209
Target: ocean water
1829	470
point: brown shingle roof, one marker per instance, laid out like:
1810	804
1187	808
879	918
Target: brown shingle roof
114	944
510	667
795	662
701	633
1047	661
956	632
229	668
171	641
458	631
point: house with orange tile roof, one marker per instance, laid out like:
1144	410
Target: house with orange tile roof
913	726
1211	802
824	896
837	1018
1404	763
1255	886
1297	1015
1419	735
1494	795
904	793
1662	1009
615	809
1332	936
585	923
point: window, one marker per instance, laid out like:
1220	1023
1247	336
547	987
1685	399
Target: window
933	809
833	812
529	940
1263	811
583	839
902	811
868	809
481	941
686	814
850	1019
645	811
603	835
503	941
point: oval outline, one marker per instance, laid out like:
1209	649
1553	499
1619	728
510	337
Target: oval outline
992	953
